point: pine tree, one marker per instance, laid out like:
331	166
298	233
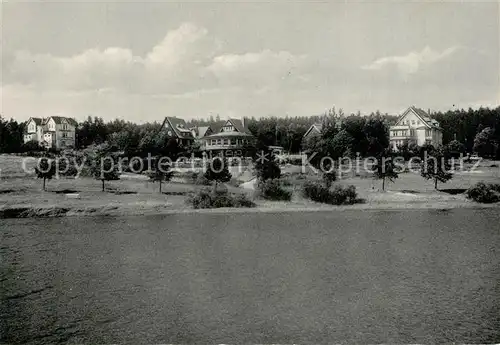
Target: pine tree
218	171
266	165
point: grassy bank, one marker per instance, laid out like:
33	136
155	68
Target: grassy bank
21	194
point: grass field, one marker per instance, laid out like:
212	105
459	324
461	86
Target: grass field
133	194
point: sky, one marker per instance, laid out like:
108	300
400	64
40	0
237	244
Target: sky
142	61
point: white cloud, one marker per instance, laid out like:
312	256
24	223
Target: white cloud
413	61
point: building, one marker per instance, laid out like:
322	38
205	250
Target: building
415	126
54	132
233	139
314	132
175	128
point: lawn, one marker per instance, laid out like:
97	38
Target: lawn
134	194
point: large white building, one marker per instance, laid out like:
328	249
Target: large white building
53	132
415	126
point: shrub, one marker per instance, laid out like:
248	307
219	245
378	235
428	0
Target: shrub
206	198
272	189
484	193
198	179
338	196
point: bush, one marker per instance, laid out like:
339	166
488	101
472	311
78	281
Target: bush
198	179
207	198
272	189
484	193
338	196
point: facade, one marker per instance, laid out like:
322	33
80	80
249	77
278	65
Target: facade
175	128
54	132
232	140
415	126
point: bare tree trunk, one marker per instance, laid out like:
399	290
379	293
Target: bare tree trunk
436	184
102	185
383	184
160	186
44	184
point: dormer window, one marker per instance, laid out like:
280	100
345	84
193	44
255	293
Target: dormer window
228	128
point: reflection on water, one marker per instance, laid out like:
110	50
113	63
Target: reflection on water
398	276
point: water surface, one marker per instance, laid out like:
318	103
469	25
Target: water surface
356	276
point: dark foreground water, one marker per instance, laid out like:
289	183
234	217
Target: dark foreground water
373	276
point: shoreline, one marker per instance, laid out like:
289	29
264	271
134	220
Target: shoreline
35	211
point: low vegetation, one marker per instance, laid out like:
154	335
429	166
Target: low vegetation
209	198
484	193
338	195
272	189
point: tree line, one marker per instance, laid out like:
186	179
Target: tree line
356	133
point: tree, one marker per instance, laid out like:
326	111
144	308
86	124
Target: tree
385	168
45	169
455	149
329	174
218	171
161	172
104	166
341	145
436	167
266	165
485	144
377	135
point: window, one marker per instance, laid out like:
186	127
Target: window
233	141
228	128
226	142
219	141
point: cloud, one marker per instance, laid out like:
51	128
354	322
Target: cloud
185	60
413	61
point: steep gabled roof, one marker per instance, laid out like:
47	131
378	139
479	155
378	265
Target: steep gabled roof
201	131
38	121
179	127
317	127
422	115
59	120
238	125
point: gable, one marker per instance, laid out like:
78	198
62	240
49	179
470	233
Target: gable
313	130
176	127
412	118
229	127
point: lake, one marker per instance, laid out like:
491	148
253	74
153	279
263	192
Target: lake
403	276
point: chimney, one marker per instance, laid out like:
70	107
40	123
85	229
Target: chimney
429	111
243	122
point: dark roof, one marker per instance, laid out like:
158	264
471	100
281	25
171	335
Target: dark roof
179	127
37	120
201	131
58	120
238	125
317	126
428	121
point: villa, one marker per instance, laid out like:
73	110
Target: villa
54	132
415	126
232	140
